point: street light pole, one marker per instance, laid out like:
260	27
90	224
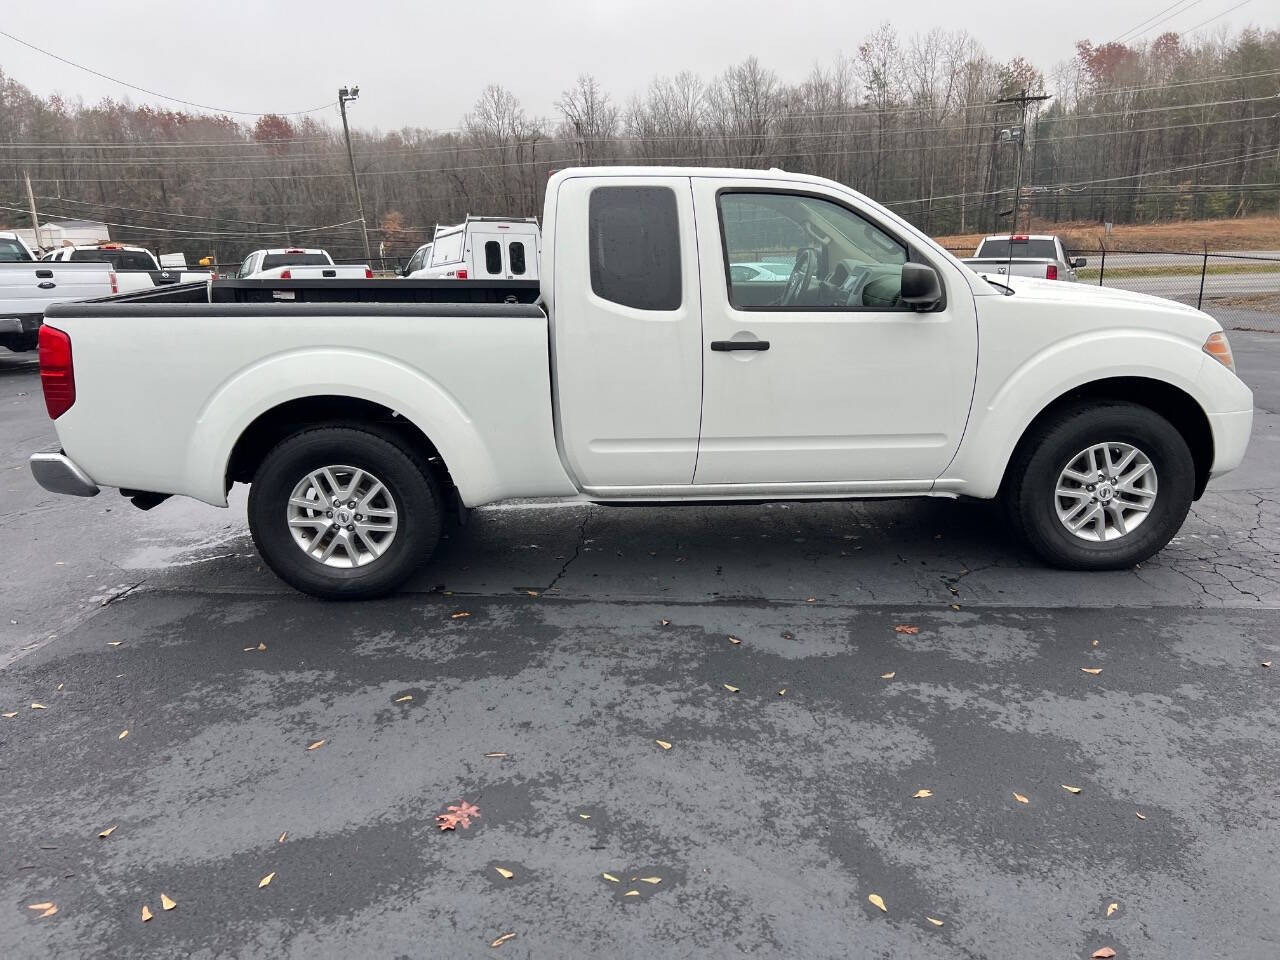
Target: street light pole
344	96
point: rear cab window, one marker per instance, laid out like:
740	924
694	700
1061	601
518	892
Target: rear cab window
447	249
634	240
1019	249
120	259
273	260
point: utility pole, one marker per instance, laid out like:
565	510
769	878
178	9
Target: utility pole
35	220
345	95
1019	136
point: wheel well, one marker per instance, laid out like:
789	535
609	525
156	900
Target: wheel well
1176	406
283	421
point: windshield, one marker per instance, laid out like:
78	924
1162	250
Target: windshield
1034	249
120	259
11	251
273	260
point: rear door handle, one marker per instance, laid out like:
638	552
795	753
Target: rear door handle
722	346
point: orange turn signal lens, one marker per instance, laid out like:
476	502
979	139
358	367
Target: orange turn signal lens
1218	348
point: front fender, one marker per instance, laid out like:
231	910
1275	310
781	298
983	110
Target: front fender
1006	401
364	375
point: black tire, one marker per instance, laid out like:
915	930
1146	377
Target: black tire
1035	468
406	478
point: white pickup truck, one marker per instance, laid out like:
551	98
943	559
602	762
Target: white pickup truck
295	263
879	366
1042	256
27	287
136	268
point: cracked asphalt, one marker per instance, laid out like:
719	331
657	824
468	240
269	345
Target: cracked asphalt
592	634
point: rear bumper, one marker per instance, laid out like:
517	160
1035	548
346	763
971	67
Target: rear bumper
60	474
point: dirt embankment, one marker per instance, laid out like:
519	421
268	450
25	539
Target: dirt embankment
1191	236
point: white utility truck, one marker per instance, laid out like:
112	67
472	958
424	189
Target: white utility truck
880	366
481	248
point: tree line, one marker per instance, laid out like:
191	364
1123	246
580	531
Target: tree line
1158	130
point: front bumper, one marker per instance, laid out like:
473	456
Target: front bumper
1230	439
59	474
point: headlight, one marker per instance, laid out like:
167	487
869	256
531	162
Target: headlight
1218	348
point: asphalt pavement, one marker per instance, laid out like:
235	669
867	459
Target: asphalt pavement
534	666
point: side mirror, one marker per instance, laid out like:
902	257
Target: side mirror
1079	262
921	287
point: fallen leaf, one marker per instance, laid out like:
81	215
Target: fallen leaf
38	706
1070	789
650	879
1092	671
955	606
123	734
731	688
1141	816
458	816
146	913
810	599
877	901
502	939
1020	798
261	646
114	643
663	744
166	903
782	692
48	912
664	621
632	893
1266	663
282	836
504	873
492	755
459	615
107	832
317	745
889	676
1112	908
532	593
405	699
610	877
266	881
936	922
39	906
1102	953
906	628
584	816
59	686
1095	641
921	794
248	649
734	640
9	716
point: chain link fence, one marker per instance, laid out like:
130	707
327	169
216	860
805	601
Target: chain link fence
1241	290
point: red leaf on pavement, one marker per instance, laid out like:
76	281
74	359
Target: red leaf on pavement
458	816
1102	953
906	628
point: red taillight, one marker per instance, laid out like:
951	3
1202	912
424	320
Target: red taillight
368	274
1051	272
286	274
57	376
462	274
115	286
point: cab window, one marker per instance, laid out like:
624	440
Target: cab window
794	252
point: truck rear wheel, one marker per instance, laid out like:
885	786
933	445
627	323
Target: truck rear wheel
1101	486
343	512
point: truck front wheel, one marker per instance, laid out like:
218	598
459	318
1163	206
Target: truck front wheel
1101	486
343	512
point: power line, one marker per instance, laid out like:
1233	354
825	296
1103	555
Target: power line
1144	23
1216	16
156	93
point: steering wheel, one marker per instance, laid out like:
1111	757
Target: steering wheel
802	275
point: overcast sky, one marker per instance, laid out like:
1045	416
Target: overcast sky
424	63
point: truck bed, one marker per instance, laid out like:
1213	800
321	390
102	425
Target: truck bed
337	291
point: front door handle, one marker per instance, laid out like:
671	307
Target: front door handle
721	346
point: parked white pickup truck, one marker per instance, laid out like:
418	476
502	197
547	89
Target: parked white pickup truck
1025	255
136	268
27	287
295	263
647	374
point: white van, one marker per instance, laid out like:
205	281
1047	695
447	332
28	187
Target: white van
481	248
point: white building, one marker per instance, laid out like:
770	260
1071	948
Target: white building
59	233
